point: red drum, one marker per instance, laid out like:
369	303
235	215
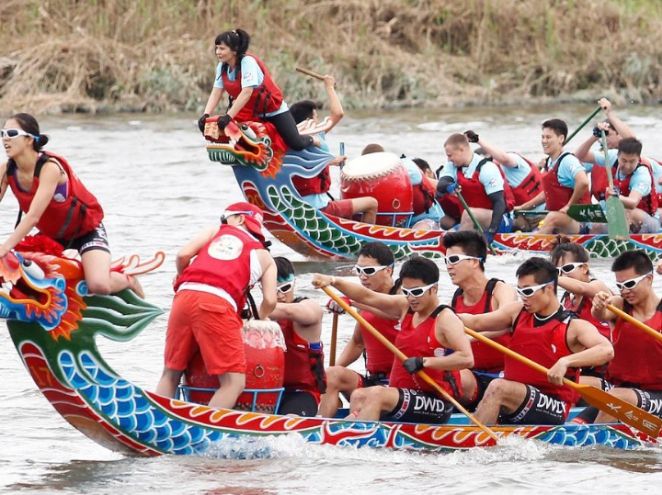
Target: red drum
384	177
265	363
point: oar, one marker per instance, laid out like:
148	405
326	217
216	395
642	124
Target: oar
617	224
334	339
477	225
582	213
582	125
641	326
401	356
310	73
626	412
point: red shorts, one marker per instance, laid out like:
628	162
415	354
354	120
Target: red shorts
199	320
341	208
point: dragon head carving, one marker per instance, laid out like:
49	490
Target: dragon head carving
254	144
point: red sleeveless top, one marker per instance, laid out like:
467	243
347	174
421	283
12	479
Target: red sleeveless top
378	358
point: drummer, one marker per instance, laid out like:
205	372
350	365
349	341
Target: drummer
315	190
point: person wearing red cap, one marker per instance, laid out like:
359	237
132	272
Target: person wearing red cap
215	270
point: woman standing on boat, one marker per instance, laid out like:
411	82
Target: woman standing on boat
52	198
571	261
253	93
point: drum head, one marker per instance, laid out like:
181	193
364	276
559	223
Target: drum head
263	334
371	165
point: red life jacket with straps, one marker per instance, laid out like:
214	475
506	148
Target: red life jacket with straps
79	214
266	97
545	344
474	192
556	195
648	203
319	184
421	341
599	180
304	366
637	356
583	311
378	358
423	195
451	205
224	262
486	358
530	187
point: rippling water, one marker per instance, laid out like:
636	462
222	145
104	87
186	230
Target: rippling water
158	189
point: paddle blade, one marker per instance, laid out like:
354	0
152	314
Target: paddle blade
624	411
617	221
587	213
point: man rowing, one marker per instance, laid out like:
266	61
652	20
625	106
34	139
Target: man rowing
482	185
541	330
636	370
300	319
431	334
374	268
466	252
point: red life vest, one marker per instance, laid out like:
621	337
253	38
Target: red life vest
378	358
545	344
556	195
530	187
224	262
637	356
266	97
421	341
600	181
583	311
304	367
486	358
648	203
319	184
79	214
451	205
474	192
423	195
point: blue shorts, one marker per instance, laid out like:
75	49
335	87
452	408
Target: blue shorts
506	225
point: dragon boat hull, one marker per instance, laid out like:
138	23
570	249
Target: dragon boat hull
267	182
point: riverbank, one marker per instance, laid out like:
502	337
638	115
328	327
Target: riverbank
157	56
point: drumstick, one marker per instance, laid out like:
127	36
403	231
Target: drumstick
310	73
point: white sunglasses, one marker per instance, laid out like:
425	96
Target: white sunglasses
632	283
369	271
454	259
569	267
529	291
14	133
417	291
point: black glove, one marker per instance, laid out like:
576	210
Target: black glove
202	121
471	136
223	121
413	364
597	132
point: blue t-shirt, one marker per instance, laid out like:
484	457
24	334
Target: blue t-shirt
657	174
568	169
489	176
599	157
515	175
251	77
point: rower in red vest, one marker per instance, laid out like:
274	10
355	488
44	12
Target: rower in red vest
215	271
466	252
564	181
374	267
253	93
544	332
482	184
52	198
636	370
300	319
431	334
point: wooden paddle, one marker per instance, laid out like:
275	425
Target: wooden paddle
641	326
310	73
401	356
477	225
628	413
582	125
617	223
334	340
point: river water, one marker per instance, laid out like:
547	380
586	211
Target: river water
158	189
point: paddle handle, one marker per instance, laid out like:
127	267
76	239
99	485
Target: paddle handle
478	226
605	150
334	340
641	326
582	125
401	356
310	73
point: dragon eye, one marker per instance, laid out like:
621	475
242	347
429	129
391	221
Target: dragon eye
250	133
33	269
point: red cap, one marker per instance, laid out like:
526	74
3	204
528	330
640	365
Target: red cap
253	217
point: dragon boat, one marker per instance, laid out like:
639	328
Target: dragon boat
53	322
264	170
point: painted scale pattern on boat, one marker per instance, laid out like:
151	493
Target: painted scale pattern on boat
313	233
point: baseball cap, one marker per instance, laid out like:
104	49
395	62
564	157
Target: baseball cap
253	217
